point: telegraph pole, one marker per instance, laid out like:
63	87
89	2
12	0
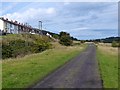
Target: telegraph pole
40	25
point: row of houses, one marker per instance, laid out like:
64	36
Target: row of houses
14	27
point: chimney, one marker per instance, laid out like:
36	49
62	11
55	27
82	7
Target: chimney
15	22
7	19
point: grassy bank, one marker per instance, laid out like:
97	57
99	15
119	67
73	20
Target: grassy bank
19	45
108	62
22	72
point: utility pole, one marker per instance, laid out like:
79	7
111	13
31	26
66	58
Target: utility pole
40	26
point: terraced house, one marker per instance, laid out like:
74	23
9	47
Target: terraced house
14	27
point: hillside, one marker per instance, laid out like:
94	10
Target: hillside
105	40
110	39
17	45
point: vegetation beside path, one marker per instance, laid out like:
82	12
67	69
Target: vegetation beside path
108	62
19	45
22	72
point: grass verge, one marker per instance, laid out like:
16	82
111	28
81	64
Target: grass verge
108	63
0	75
22	72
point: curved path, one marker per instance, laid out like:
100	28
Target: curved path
81	72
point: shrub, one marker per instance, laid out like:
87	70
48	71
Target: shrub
20	47
78	43
115	44
65	39
56	36
82	41
6	51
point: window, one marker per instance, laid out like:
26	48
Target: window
10	25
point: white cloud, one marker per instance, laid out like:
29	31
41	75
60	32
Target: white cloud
77	29
32	14
51	11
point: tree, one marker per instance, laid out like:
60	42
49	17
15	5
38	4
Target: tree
65	39
74	38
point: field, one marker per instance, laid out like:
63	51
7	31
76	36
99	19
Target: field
108	62
25	71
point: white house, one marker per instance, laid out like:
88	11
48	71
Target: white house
48	35
11	27
8	26
1	24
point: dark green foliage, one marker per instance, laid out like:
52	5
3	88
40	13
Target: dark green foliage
56	36
19	47
65	39
6	51
74	39
115	44
41	47
111	39
82	41
106	40
79	43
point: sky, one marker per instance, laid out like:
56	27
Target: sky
83	20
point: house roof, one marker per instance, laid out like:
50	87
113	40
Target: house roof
16	23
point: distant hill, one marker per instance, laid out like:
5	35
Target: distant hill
106	40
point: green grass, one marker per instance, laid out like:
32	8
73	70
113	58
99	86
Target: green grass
109	68
22	72
0	75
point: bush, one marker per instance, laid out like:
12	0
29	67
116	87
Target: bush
78	43
19	47
115	44
65	39
6	51
82	41
56	36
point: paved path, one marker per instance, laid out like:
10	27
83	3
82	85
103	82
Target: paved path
81	72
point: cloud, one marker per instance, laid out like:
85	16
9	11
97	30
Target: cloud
50	11
76	29
79	19
32	14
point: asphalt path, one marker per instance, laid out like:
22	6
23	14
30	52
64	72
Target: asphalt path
80	72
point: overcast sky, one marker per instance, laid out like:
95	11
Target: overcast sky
83	20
